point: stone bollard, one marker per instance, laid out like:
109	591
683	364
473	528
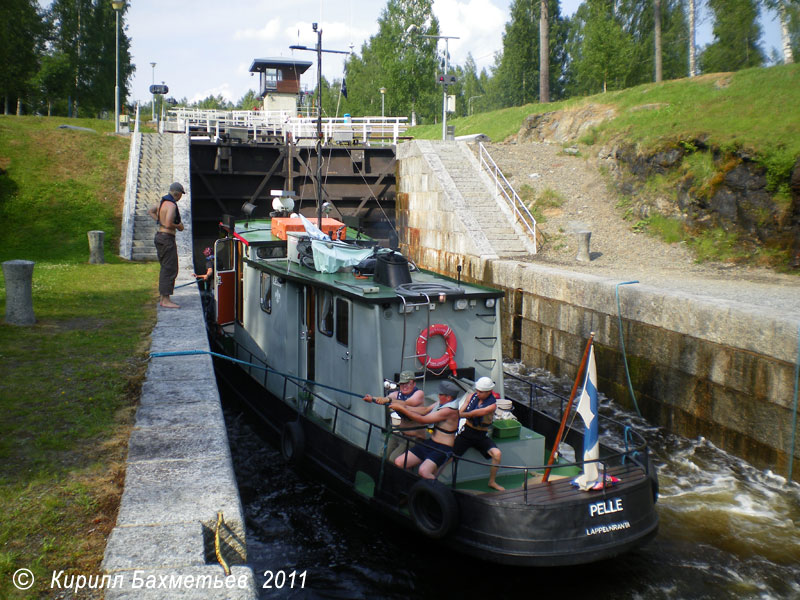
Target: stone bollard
96	247
19	292
583	246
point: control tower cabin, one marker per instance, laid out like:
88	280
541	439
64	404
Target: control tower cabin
279	82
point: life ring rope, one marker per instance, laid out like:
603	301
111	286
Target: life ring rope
451	344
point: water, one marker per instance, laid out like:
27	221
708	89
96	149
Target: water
727	531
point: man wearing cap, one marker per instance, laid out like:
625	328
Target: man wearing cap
433	453
413	398
168	217
479	412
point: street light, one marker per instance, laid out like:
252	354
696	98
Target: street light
412	29
383	93
117	5
153	107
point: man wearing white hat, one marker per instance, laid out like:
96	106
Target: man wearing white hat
479	413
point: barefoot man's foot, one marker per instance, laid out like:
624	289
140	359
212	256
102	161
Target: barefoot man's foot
168	304
496	486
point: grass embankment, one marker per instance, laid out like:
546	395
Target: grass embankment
752	112
69	383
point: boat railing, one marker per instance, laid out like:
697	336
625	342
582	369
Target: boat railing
503	188
307	392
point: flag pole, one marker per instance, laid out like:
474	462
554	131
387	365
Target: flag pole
569	408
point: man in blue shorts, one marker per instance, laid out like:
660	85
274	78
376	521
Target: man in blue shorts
479	413
433	453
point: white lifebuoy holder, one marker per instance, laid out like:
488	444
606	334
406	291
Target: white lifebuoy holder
445	360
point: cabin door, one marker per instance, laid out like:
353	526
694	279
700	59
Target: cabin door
225	281
333	362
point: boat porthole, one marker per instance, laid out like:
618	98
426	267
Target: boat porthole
433	508
387	314
292	442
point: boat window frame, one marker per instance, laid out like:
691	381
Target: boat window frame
326	323
342	321
265	296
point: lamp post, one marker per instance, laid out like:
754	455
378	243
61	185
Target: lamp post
117	5
153	107
383	93
412	29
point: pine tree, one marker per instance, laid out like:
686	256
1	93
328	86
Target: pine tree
736	37
21	35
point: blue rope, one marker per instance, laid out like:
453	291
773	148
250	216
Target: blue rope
794	417
249	364
622	342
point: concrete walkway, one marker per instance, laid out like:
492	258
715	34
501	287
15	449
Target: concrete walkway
179	473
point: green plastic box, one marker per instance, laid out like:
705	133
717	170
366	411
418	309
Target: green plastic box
505	429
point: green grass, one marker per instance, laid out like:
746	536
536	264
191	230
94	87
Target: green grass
69	383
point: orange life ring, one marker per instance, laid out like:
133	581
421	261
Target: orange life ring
446	359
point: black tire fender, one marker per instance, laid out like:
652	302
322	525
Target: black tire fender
652	474
433	508
293	442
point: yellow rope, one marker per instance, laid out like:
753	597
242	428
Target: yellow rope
221	560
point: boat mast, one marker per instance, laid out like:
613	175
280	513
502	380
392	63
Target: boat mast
319	52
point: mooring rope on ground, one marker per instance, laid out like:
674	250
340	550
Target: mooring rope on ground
217	550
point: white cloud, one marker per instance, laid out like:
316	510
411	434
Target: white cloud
267	32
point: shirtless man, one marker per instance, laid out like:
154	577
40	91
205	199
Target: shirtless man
433	453
412	397
168	217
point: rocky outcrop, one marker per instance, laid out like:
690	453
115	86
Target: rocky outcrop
564	126
736	198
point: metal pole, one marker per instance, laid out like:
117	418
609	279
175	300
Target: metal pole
444	90
116	87
153	107
319	129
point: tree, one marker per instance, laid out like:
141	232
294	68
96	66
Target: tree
658	32
692	39
248	101
544	54
736	37
405	65
21	36
517	77
84	34
601	49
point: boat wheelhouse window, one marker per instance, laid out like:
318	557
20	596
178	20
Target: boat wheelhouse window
326	314
342	321
266	292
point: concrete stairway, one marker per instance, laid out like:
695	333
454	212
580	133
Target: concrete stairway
481	200
155	174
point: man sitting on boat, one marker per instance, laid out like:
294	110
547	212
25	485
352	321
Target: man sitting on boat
433	453
412	397
479	413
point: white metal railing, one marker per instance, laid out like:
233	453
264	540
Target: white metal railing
213	123
504	188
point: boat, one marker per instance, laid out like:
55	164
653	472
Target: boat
307	318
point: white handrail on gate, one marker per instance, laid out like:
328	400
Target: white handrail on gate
504	188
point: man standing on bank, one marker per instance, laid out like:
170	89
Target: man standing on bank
168	217
479	413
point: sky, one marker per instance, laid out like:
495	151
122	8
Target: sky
204	47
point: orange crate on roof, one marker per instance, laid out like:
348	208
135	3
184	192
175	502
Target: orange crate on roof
281	225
